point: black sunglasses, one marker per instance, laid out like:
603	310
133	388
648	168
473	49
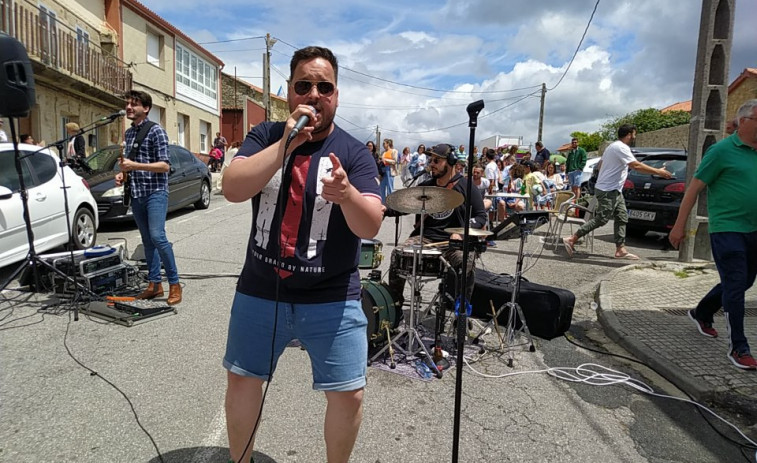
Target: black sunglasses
303	87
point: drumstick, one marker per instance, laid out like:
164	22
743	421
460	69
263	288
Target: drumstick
440	243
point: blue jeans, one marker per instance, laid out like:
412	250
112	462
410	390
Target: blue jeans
735	256
150	215
387	184
710	304
333	333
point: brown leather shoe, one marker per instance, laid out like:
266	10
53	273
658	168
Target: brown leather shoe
153	290
174	294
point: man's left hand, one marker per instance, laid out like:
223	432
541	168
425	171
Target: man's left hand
127	165
337	187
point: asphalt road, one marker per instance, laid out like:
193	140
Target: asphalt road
54	408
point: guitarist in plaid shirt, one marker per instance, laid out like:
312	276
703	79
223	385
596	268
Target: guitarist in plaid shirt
146	167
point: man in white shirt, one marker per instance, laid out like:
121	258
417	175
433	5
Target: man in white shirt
613	171
3	135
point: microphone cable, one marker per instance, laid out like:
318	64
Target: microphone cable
280	217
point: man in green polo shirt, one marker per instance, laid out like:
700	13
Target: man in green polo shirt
729	172
574	166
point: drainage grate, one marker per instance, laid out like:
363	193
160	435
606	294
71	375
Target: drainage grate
748	312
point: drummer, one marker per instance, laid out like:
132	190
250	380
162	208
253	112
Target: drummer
441	163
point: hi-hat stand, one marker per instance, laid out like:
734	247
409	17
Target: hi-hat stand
410	331
526	222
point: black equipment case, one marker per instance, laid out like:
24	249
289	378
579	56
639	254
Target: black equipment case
548	310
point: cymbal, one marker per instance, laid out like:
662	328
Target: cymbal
428	199
471	231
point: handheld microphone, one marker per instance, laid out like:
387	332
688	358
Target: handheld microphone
113	116
301	123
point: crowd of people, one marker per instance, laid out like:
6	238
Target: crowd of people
505	169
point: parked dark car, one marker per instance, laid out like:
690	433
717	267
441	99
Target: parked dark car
653	201
639	154
188	182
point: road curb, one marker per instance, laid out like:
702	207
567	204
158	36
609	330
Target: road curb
722	397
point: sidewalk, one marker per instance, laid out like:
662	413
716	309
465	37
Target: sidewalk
643	308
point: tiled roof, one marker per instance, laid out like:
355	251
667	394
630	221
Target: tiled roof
680	106
748	73
152	16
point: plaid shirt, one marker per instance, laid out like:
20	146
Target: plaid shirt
153	149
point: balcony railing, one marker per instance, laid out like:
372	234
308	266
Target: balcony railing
47	42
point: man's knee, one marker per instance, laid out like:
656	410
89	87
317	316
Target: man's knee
237	384
347	400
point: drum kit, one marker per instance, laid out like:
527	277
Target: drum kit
418	264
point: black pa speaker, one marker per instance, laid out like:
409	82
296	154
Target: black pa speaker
16	78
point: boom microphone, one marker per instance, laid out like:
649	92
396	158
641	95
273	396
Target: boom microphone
113	116
301	123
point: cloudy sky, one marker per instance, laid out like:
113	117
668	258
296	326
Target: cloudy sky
411	67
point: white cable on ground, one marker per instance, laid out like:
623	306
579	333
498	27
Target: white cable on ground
598	375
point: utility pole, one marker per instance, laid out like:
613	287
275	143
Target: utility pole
541	110
267	76
708	106
378	139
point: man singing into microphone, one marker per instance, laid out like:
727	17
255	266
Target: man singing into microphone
300	275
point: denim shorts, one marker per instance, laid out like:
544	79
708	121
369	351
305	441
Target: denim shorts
574	178
334	335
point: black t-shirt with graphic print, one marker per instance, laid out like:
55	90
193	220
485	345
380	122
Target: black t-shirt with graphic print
319	264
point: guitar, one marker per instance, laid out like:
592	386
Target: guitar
125	180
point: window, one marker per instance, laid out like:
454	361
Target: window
195	77
48	24
204	133
82	52
154	46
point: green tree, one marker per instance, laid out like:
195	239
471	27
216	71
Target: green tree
645	120
589	141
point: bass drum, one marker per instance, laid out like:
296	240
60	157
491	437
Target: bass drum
380	309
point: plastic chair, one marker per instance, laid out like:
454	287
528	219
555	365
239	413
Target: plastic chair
565	216
560	201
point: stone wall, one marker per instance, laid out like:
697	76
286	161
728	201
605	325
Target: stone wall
746	91
243	90
672	137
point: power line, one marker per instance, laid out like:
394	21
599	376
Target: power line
232	40
461	123
436	89
578	47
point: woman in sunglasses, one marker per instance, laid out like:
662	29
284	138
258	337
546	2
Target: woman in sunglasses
300	278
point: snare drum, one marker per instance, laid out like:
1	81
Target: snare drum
429	263
370	254
380	309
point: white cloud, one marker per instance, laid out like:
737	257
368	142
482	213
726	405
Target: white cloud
637	54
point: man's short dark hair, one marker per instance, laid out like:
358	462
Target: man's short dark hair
144	98
573	139
490	155
308	53
625	129
539	144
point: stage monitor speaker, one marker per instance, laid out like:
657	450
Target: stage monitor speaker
16	78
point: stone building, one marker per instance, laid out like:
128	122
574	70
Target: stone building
743	88
86	54
243	108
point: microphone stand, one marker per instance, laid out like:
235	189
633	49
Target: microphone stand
462	320
33	261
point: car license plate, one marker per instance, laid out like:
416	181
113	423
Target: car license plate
642	215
